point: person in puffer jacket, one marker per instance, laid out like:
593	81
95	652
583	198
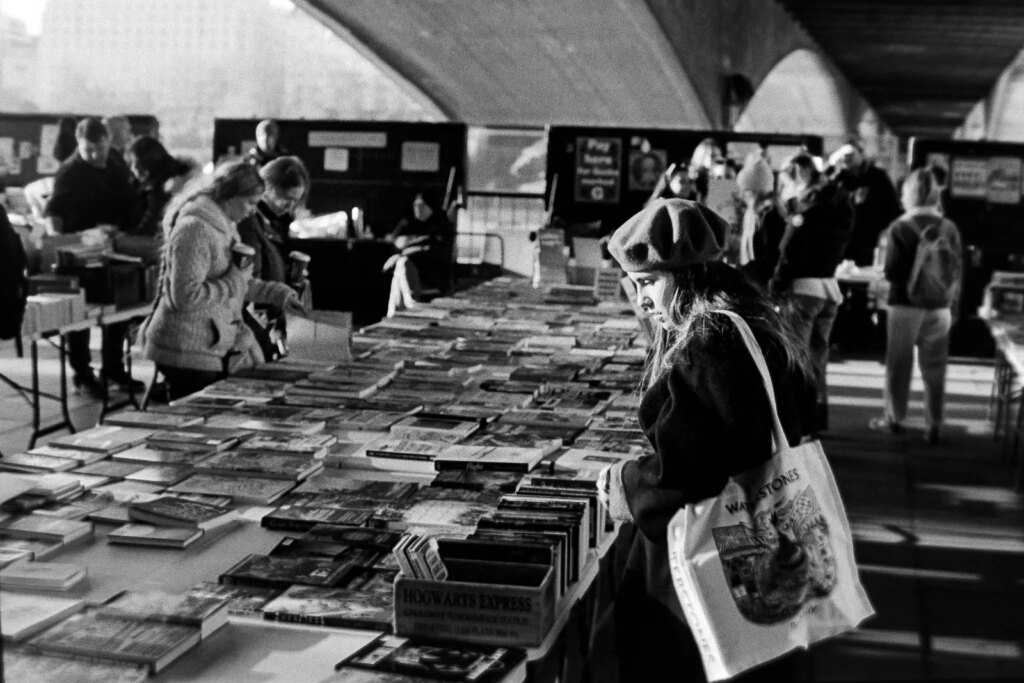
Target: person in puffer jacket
195	333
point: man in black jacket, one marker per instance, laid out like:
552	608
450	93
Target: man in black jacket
92	190
875	204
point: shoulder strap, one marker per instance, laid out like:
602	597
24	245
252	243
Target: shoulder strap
778	433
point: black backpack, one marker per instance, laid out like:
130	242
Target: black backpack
13	279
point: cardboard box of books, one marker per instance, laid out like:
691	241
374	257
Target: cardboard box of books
497	603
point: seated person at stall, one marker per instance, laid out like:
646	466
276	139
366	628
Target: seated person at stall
425	243
286	186
268	145
675	183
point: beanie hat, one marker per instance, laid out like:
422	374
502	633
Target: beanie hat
669	234
756	175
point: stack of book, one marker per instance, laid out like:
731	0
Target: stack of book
42	576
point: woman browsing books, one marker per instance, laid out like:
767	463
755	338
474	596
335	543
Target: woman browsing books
704	413
195	333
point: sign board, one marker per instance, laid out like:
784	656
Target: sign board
598	170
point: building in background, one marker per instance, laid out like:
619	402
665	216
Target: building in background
19	59
190	61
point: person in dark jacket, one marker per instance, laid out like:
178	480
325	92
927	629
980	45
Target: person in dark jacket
875	203
268	145
817	232
701	413
910	325
427	238
92	190
13	278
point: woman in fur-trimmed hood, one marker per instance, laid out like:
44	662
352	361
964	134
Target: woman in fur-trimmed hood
195	333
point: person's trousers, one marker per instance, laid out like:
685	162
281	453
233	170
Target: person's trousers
812	319
405	286
928	330
79	356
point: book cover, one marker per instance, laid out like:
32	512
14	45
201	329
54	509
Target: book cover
171	454
478	480
30	462
208	613
199	437
428	660
21	665
312	444
281	572
242	601
325	548
44	575
251	490
173	511
494	458
147	420
83	457
432	512
127	640
103	439
149	534
354	492
302	518
47	528
252	463
109	468
161	475
38	549
333	607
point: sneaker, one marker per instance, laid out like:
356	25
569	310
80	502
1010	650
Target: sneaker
883	424
90	386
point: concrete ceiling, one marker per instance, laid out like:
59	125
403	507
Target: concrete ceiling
921	64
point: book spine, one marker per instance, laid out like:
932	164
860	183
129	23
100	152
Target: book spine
479	466
91	658
253	581
374	453
317	620
287	524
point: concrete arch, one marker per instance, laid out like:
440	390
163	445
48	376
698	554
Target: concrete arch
798	95
1003	115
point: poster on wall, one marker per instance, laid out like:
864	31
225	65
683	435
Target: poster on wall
645	168
1003	186
969	178
421	156
598	170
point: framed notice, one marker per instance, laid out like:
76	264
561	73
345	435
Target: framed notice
336	159
598	170
421	156
1003	182
969	178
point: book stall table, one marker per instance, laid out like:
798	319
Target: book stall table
96	316
1006	392
537	323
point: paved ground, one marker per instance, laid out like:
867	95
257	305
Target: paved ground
939	530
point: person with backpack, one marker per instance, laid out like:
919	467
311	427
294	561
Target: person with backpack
924	265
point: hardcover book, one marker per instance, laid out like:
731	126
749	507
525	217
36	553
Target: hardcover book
495	458
140	642
83	457
271	464
314	444
420	659
242	601
21	665
147	420
161	475
199	437
333	607
36	549
103	439
173	511
109	468
47	528
29	463
281	572
170	454
437	508
207	613
159	536
249	490
42	575
289	517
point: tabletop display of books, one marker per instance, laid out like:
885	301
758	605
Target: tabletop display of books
470	442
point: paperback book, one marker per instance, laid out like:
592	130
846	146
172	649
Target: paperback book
148	420
153	644
280	572
173	511
207	613
333	607
242	601
424	660
198	437
22	665
315	445
152	535
42	575
103	439
247	490
302	518
270	464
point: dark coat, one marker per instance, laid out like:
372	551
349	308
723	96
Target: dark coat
771	228
875	206
818	231
85	196
707	419
262	231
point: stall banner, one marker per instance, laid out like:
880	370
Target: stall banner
645	168
969	178
598	170
1003	180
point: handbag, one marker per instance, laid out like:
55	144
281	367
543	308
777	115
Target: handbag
767	565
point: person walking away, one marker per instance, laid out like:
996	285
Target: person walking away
875	202
924	266
817	232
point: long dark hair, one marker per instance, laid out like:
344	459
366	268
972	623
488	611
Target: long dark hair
703	288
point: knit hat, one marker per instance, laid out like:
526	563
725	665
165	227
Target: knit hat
756	175
669	234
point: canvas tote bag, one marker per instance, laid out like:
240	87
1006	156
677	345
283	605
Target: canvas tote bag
766	566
